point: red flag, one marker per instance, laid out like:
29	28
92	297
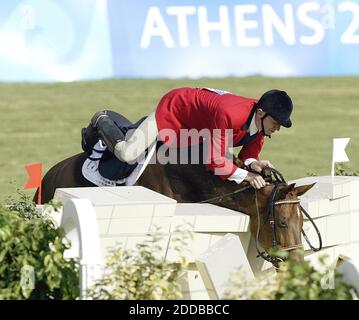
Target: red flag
35	175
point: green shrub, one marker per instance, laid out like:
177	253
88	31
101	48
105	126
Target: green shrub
342	170
294	281
301	281
32	265
142	273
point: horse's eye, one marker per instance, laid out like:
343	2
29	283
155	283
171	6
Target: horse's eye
282	224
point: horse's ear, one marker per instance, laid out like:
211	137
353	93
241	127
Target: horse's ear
290	188
286	190
303	189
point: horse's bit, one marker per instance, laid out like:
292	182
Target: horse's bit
274	260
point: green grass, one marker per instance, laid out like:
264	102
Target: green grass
42	122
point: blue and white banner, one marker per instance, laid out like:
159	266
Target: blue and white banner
69	40
64	40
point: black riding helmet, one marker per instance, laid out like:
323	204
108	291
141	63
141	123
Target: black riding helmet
278	105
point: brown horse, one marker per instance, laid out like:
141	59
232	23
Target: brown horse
193	183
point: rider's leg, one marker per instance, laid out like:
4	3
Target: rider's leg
107	130
139	141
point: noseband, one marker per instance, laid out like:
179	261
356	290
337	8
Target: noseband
278	179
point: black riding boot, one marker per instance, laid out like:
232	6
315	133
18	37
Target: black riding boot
107	130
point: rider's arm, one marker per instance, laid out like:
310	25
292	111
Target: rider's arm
251	150
249	161
216	157
238	176
241	175
217	160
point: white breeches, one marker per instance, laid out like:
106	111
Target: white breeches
141	138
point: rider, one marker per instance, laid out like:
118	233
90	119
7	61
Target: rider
198	108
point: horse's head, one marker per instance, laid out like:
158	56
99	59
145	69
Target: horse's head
280	218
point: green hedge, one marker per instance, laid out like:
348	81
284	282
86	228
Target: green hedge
293	281
32	264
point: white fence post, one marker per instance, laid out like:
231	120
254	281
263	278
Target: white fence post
80	224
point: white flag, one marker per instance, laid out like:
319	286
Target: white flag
339	154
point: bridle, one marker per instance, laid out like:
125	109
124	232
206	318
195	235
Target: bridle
277	180
273	259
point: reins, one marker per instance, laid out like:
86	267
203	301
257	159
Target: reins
225	195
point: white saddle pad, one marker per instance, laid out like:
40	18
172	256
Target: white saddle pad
91	173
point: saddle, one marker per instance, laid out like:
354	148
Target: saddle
110	167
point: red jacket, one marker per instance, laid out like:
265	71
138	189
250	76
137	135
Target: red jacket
188	108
